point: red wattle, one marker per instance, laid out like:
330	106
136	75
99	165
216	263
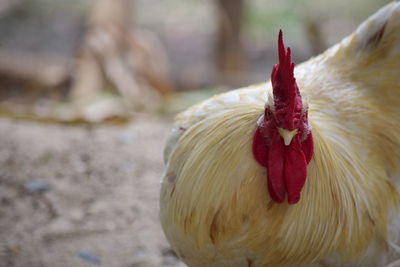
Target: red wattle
275	169
295	170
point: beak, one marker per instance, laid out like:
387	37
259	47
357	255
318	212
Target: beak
287	135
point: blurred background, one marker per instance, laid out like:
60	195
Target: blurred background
88	91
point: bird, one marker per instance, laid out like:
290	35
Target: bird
302	170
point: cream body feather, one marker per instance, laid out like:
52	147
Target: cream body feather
215	208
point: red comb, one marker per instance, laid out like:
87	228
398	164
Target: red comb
282	77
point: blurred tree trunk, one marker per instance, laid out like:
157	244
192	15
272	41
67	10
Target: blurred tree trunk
114	54
229	50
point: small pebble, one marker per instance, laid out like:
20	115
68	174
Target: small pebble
88	256
36	186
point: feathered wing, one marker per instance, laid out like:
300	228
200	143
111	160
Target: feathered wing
355	107
365	66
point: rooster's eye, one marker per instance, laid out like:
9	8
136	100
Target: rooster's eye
268	113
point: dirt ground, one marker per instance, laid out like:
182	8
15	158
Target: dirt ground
82	196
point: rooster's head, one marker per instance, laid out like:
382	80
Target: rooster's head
283	141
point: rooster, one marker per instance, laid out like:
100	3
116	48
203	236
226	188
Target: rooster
300	171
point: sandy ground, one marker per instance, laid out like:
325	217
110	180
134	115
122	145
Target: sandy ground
101	204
